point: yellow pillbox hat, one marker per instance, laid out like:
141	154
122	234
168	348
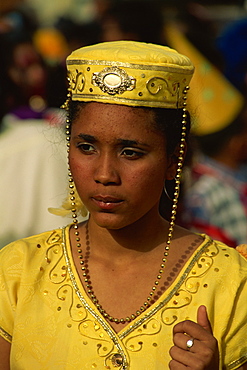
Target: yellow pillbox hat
130	73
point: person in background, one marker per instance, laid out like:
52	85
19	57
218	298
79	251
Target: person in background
125	288
33	162
214	188
215	201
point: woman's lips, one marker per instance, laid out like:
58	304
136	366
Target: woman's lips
106	203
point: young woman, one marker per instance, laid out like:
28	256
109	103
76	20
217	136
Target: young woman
126	289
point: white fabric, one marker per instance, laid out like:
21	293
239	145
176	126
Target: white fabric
33	164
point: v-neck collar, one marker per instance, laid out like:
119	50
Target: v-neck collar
147	314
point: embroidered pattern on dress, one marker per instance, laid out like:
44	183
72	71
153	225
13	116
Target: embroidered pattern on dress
172	293
111	347
59	274
105	346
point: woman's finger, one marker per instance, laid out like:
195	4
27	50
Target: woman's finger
192	329
192	360
201	355
174	365
185	342
181	357
203	320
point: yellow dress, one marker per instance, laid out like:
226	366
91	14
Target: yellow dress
52	324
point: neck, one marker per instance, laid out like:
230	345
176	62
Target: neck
133	239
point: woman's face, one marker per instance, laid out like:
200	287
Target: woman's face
119	163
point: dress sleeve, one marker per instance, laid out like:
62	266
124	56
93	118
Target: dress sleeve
235	328
11	262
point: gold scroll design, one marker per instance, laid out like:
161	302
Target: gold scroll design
158	85
54	256
76	81
86	326
103	344
183	297
58	274
150	327
113	80
201	268
169	315
66	296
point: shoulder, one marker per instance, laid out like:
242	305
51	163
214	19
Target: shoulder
29	250
231	261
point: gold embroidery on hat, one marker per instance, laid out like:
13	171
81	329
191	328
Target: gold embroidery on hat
128	101
167	68
156	84
113	80
77	81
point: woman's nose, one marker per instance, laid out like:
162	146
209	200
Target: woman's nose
107	171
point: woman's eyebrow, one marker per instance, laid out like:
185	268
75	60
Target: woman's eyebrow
128	142
122	142
87	137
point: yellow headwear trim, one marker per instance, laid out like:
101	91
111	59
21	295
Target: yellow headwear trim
130	73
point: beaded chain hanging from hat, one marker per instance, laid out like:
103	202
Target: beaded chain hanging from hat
84	268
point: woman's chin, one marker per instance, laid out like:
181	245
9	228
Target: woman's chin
109	221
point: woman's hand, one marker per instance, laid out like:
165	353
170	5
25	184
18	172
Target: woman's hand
199	354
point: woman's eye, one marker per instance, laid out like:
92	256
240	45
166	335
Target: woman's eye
132	154
85	147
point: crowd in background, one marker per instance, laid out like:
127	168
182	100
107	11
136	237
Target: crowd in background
33	88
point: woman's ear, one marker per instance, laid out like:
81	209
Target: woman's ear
173	162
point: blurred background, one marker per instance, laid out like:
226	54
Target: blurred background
35	38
